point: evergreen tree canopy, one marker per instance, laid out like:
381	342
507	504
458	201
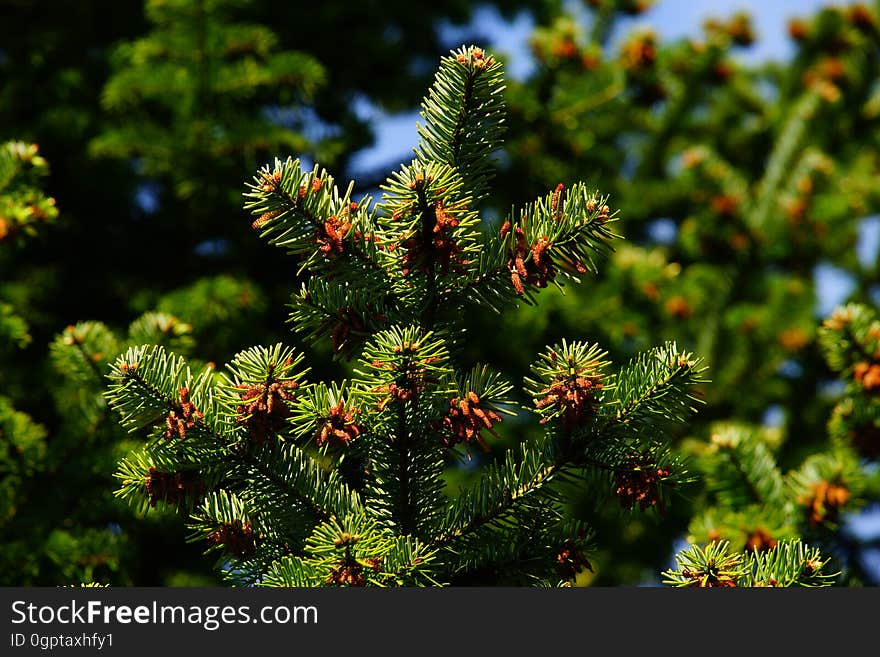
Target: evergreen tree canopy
295	481
457	405
741	184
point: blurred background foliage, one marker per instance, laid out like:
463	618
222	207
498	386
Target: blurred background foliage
739	185
742	186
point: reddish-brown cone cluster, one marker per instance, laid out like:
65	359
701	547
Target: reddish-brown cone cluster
314	186
722	71
396	393
271	180
633	7
838	320
530	264
826	77
604	211
350	572
564	48
555	202
640	484
339	428
574	396
411	380
477	59
237	537
183	417
678	306
410	388
264	218
798	29
793	339
440	250
725	205
330	235
740	30
824	502
861	18
263	412
172	487
466	420
570	560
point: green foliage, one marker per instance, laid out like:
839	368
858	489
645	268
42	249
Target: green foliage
462	140
185	92
13	329
424	455
850	340
109	543
24	448
754	193
24	211
753	505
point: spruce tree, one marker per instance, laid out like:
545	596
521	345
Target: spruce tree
294	481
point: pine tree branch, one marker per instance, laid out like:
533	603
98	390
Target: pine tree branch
621	415
243	456
541	478
289	203
504	487
662	369
856	344
464	113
